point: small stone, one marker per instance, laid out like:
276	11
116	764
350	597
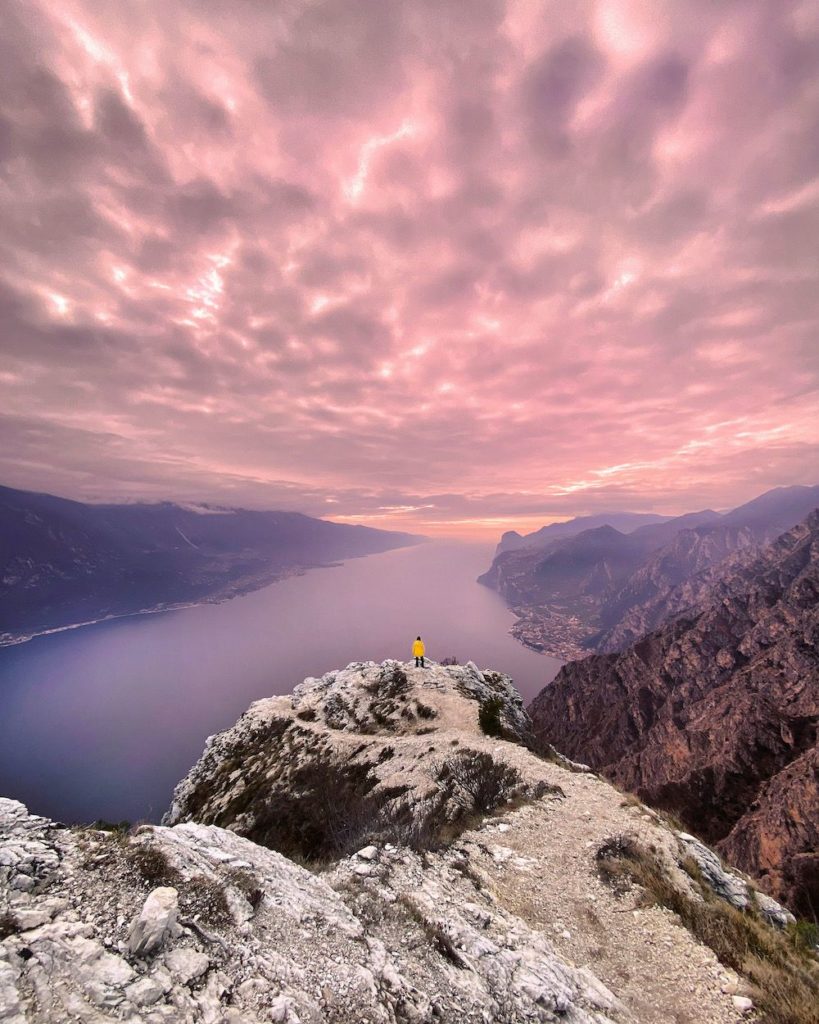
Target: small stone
28	919
283	1011
186	965
146	991
368	853
742	1003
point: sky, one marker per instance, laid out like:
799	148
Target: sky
454	266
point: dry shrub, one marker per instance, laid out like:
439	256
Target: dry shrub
489	716
327	811
152	864
485	782
205	900
785	979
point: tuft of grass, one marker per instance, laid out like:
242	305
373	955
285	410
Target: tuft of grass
101	825
804	935
784	978
152	864
205	900
248	885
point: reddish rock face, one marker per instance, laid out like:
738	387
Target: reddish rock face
784	818
714	716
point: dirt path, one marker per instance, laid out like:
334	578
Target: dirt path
541	862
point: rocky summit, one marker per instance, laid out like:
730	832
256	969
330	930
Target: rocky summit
714	716
381	846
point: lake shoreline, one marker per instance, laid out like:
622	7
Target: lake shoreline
238	588
102	722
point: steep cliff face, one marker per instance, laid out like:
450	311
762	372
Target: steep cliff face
715	715
493	909
673	579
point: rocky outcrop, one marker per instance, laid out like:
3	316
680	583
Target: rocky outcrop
502	918
715	715
364	747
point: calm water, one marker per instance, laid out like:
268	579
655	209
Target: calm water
101	722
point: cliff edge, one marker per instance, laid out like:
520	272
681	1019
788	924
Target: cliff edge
438	871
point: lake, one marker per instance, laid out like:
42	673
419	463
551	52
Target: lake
102	721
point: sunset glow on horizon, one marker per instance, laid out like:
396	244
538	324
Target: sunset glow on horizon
416	264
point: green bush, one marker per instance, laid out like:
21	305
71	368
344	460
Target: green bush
489	716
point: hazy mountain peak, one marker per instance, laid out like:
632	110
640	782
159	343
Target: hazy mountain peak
599	589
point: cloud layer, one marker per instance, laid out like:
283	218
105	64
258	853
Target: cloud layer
416	261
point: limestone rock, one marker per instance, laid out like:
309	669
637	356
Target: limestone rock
186	965
489	922
155	921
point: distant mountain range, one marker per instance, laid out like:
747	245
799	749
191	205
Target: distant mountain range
715	714
578	588
65	562
625	522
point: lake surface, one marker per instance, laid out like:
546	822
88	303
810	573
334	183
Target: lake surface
103	721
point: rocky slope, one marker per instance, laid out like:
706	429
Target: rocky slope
601	589
65	562
672	580
715	715
436	908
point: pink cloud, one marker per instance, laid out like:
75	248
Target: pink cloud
462	270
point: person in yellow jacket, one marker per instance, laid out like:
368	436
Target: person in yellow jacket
418	652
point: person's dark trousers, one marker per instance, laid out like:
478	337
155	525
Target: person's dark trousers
419	661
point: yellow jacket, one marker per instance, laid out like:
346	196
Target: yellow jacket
418	649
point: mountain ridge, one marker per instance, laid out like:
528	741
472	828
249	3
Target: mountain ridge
625	591
63	562
714	716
